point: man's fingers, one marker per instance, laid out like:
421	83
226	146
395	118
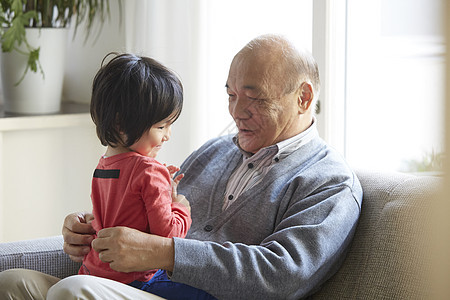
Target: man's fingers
76	251
104	257
76	258
76	232
108	232
103	239
82	228
102	243
88	218
79	223
75	238
98	244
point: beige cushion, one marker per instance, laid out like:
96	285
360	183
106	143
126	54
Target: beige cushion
388	256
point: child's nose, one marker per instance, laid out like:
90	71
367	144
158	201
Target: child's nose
167	135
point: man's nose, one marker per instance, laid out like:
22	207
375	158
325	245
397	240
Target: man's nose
239	108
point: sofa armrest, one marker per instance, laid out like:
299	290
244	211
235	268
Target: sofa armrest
389	257
44	255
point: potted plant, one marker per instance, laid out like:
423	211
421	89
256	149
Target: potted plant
34	38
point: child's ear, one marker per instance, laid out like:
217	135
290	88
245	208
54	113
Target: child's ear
305	97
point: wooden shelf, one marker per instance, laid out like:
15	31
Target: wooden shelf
71	115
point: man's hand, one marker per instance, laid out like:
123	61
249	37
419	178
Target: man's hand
78	235
130	250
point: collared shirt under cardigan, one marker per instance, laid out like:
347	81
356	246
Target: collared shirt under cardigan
254	167
282	238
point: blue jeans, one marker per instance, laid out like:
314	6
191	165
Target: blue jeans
162	286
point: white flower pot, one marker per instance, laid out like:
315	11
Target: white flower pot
35	94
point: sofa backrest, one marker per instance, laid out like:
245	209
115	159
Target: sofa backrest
388	255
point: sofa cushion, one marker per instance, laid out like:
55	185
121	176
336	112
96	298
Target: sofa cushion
44	255
388	255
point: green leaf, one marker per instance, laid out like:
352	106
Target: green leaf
16	6
33	59
29	15
16	33
11	36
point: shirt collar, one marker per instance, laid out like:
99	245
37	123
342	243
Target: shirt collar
292	144
284	148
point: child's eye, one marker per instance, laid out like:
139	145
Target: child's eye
162	127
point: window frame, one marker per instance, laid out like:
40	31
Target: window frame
329	48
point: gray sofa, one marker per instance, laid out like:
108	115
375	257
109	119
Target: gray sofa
387	258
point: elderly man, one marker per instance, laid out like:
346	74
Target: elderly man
273	208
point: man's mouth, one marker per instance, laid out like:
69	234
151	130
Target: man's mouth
242	130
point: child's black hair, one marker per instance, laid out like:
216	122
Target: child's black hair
129	95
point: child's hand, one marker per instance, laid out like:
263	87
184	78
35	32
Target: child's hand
175	181
172	169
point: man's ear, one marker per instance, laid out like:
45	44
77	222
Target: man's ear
305	97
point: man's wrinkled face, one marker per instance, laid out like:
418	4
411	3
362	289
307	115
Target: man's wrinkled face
263	114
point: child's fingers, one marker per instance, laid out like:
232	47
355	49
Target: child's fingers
178	178
172	169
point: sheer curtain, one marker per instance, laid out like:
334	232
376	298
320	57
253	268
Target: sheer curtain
174	33
198	39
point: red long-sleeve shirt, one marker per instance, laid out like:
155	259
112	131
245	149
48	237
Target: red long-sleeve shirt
135	191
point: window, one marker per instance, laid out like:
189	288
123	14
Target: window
395	85
381	65
382	69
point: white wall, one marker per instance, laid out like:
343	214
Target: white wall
84	59
45	175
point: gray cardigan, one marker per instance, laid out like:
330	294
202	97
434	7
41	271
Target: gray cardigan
282	238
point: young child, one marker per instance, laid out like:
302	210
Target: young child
134	102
